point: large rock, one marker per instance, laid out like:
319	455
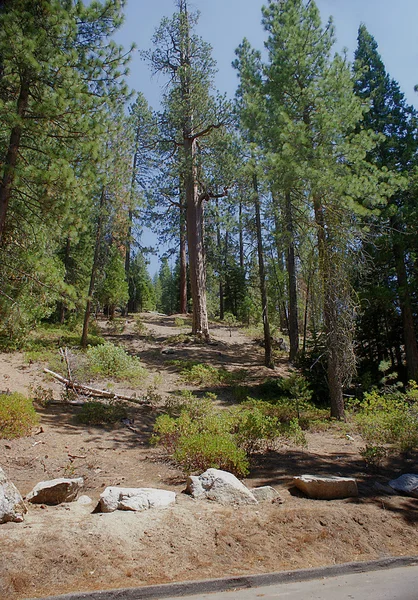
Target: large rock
12	507
326	488
219	486
137	499
55	491
407	484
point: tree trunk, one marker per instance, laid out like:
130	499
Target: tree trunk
410	340
62	306
194	212
10	162
183	261
330	316
93	270
291	271
268	355
241	238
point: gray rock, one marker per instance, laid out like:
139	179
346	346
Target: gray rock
326	488
384	489
407	484
219	486
266	493
12	507
84	500
136	499
55	491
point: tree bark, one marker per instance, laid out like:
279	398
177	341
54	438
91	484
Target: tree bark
334	368
183	261
10	162
291	271
93	270
268	354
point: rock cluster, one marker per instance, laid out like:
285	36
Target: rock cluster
214	485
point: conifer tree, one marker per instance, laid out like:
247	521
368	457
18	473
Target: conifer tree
193	113
390	116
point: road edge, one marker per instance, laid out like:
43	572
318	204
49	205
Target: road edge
206	586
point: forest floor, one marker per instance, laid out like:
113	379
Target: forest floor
59	549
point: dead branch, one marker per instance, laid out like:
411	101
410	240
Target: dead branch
94	392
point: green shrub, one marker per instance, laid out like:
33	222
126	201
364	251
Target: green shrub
96	413
112	361
196	373
199	436
202	451
390	419
17	416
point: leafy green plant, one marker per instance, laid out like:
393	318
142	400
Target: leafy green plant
179	322
113	361
373	455
17	416
201	451
198	435
97	413
390	419
196	373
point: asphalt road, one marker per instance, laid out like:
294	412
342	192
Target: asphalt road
390	584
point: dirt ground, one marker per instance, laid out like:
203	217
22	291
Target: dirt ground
59	549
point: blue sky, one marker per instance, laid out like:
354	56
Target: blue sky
224	23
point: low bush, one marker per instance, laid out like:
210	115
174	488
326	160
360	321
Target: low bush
97	413
113	361
196	373
201	451
390	419
17	416
198	436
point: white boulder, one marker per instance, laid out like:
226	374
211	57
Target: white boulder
55	491
407	484
12	507
136	499
219	486
326	488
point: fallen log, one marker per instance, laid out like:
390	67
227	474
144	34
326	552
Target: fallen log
94	392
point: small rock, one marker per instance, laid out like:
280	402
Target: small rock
168	351
266	493
385	489
326	488
408	484
84	500
55	491
219	486
12	507
136	499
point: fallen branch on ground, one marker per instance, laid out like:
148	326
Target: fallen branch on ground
94	392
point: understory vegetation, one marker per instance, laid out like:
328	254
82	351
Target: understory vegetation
17	416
